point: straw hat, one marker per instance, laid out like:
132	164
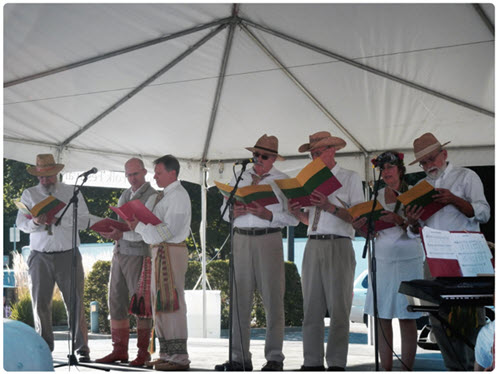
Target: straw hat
424	145
267	145
45	166
322	139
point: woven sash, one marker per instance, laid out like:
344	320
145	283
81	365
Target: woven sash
140	304
166	293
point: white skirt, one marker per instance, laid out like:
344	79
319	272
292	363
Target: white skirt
391	303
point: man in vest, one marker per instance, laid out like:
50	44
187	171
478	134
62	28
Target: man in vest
128	256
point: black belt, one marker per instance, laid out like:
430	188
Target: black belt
327	237
256	232
55	252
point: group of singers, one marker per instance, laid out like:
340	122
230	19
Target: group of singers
150	261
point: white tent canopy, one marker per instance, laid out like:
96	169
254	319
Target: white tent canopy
96	84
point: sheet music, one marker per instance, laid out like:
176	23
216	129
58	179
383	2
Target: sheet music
469	249
438	244
473	254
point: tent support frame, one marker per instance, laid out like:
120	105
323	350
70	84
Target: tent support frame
304	90
116	52
369	69
144	84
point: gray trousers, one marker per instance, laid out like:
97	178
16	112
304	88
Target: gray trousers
327	282
258	264
46	270
123	281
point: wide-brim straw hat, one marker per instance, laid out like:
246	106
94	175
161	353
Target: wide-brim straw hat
322	139
45	166
268	145
424	145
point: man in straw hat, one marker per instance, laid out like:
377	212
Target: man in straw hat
461	190
329	260
258	262
129	254
51	255
169	264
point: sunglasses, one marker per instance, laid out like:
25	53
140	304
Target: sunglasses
264	157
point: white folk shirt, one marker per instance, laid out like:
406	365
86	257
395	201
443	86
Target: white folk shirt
174	210
280	216
466	184
62	235
350	193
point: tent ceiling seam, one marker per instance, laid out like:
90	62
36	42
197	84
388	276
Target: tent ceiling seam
218	92
304	89
369	69
116	52
488	23
144	84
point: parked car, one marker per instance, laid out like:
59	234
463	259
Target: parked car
359	298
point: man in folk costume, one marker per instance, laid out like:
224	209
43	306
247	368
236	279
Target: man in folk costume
50	259
169	264
258	262
461	190
329	262
129	253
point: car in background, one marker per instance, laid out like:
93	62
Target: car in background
359	298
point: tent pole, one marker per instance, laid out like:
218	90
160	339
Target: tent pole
144	84
369	69
116	52
218	92
202	229
304	90
485	19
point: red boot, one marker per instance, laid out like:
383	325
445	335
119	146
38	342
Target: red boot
143	355
120	347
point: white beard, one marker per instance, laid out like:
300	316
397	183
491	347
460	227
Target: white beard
50	189
435	173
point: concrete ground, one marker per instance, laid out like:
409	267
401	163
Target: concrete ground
206	353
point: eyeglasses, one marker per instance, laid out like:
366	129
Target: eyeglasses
429	160
318	153
264	157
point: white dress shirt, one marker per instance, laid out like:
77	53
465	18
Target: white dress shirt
280	216
350	193
466	184
61	238
174	210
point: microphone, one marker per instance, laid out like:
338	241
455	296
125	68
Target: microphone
245	161
88	172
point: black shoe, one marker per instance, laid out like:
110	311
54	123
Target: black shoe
234	366
272	366
312	368
83	357
335	368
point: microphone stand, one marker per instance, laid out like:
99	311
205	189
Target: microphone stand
370	243
72	360
229	204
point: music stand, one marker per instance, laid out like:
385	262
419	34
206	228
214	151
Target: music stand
229	204
370	243
72	360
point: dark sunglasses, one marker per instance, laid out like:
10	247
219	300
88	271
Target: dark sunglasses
256	155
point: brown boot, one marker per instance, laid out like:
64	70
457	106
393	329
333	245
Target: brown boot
120	347
143	355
